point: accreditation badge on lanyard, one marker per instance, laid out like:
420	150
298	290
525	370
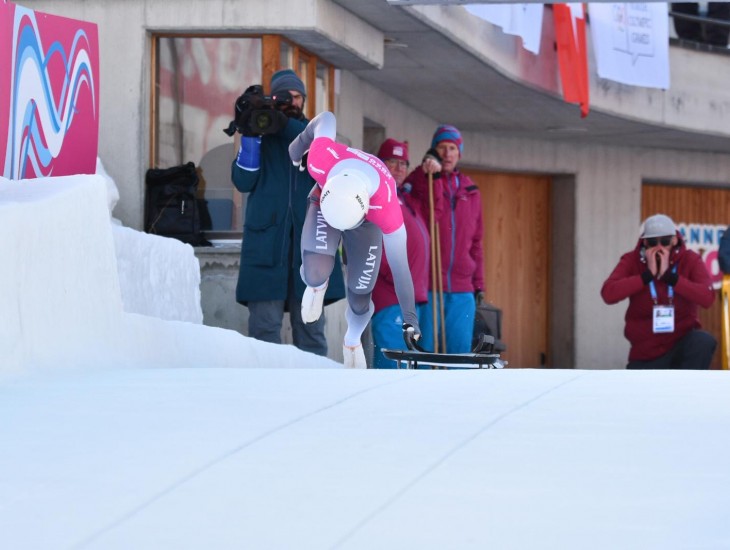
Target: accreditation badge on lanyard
662	316
663	319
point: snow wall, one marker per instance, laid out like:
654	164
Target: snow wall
62	303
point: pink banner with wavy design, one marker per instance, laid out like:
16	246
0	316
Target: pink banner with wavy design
49	94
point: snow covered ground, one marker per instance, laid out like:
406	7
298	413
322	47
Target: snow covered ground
120	430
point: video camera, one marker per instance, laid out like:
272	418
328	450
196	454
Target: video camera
256	114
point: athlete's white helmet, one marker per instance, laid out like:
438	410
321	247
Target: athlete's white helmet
344	201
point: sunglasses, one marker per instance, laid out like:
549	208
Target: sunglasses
653	241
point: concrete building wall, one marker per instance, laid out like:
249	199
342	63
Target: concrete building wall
607	217
600	186
698	98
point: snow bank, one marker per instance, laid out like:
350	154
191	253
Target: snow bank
159	277
62	303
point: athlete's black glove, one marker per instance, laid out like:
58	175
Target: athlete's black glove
411	336
302	164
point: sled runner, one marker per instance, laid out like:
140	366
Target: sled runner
482	357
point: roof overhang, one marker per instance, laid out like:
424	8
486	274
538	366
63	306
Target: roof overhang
431	70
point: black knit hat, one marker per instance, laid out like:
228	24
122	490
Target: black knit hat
286	80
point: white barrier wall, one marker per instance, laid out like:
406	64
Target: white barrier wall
61	303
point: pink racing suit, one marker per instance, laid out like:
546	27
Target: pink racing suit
385	211
383	227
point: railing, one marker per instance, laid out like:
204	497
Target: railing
700	19
700	30
725	347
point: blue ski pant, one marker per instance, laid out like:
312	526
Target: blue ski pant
459	311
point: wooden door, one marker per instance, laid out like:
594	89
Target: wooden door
516	218
694	206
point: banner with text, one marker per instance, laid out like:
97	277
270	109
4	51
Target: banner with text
49	94
704	238
631	42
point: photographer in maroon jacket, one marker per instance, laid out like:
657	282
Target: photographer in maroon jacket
664	283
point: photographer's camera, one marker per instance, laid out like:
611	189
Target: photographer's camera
256	114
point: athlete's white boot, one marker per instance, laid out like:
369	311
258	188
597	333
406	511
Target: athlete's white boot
312	302
352	346
354	357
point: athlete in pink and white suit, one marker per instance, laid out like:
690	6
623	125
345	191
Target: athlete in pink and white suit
380	224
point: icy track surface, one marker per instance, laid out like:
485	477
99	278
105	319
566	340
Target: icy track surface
322	458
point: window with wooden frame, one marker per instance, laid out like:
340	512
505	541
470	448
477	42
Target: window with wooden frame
195	82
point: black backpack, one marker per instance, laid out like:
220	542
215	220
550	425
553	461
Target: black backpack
172	208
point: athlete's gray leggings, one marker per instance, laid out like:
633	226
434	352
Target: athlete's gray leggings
363	248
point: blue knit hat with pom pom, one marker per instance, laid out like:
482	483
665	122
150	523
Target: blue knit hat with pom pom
445	132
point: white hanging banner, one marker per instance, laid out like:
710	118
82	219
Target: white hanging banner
523	20
631	42
497	14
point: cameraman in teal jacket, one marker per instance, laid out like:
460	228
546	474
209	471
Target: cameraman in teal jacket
269	281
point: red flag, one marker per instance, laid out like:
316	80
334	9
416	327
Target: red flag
570	34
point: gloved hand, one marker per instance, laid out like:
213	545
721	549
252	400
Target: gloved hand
411	336
302	163
432	154
432	163
249	154
299	149
478	297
